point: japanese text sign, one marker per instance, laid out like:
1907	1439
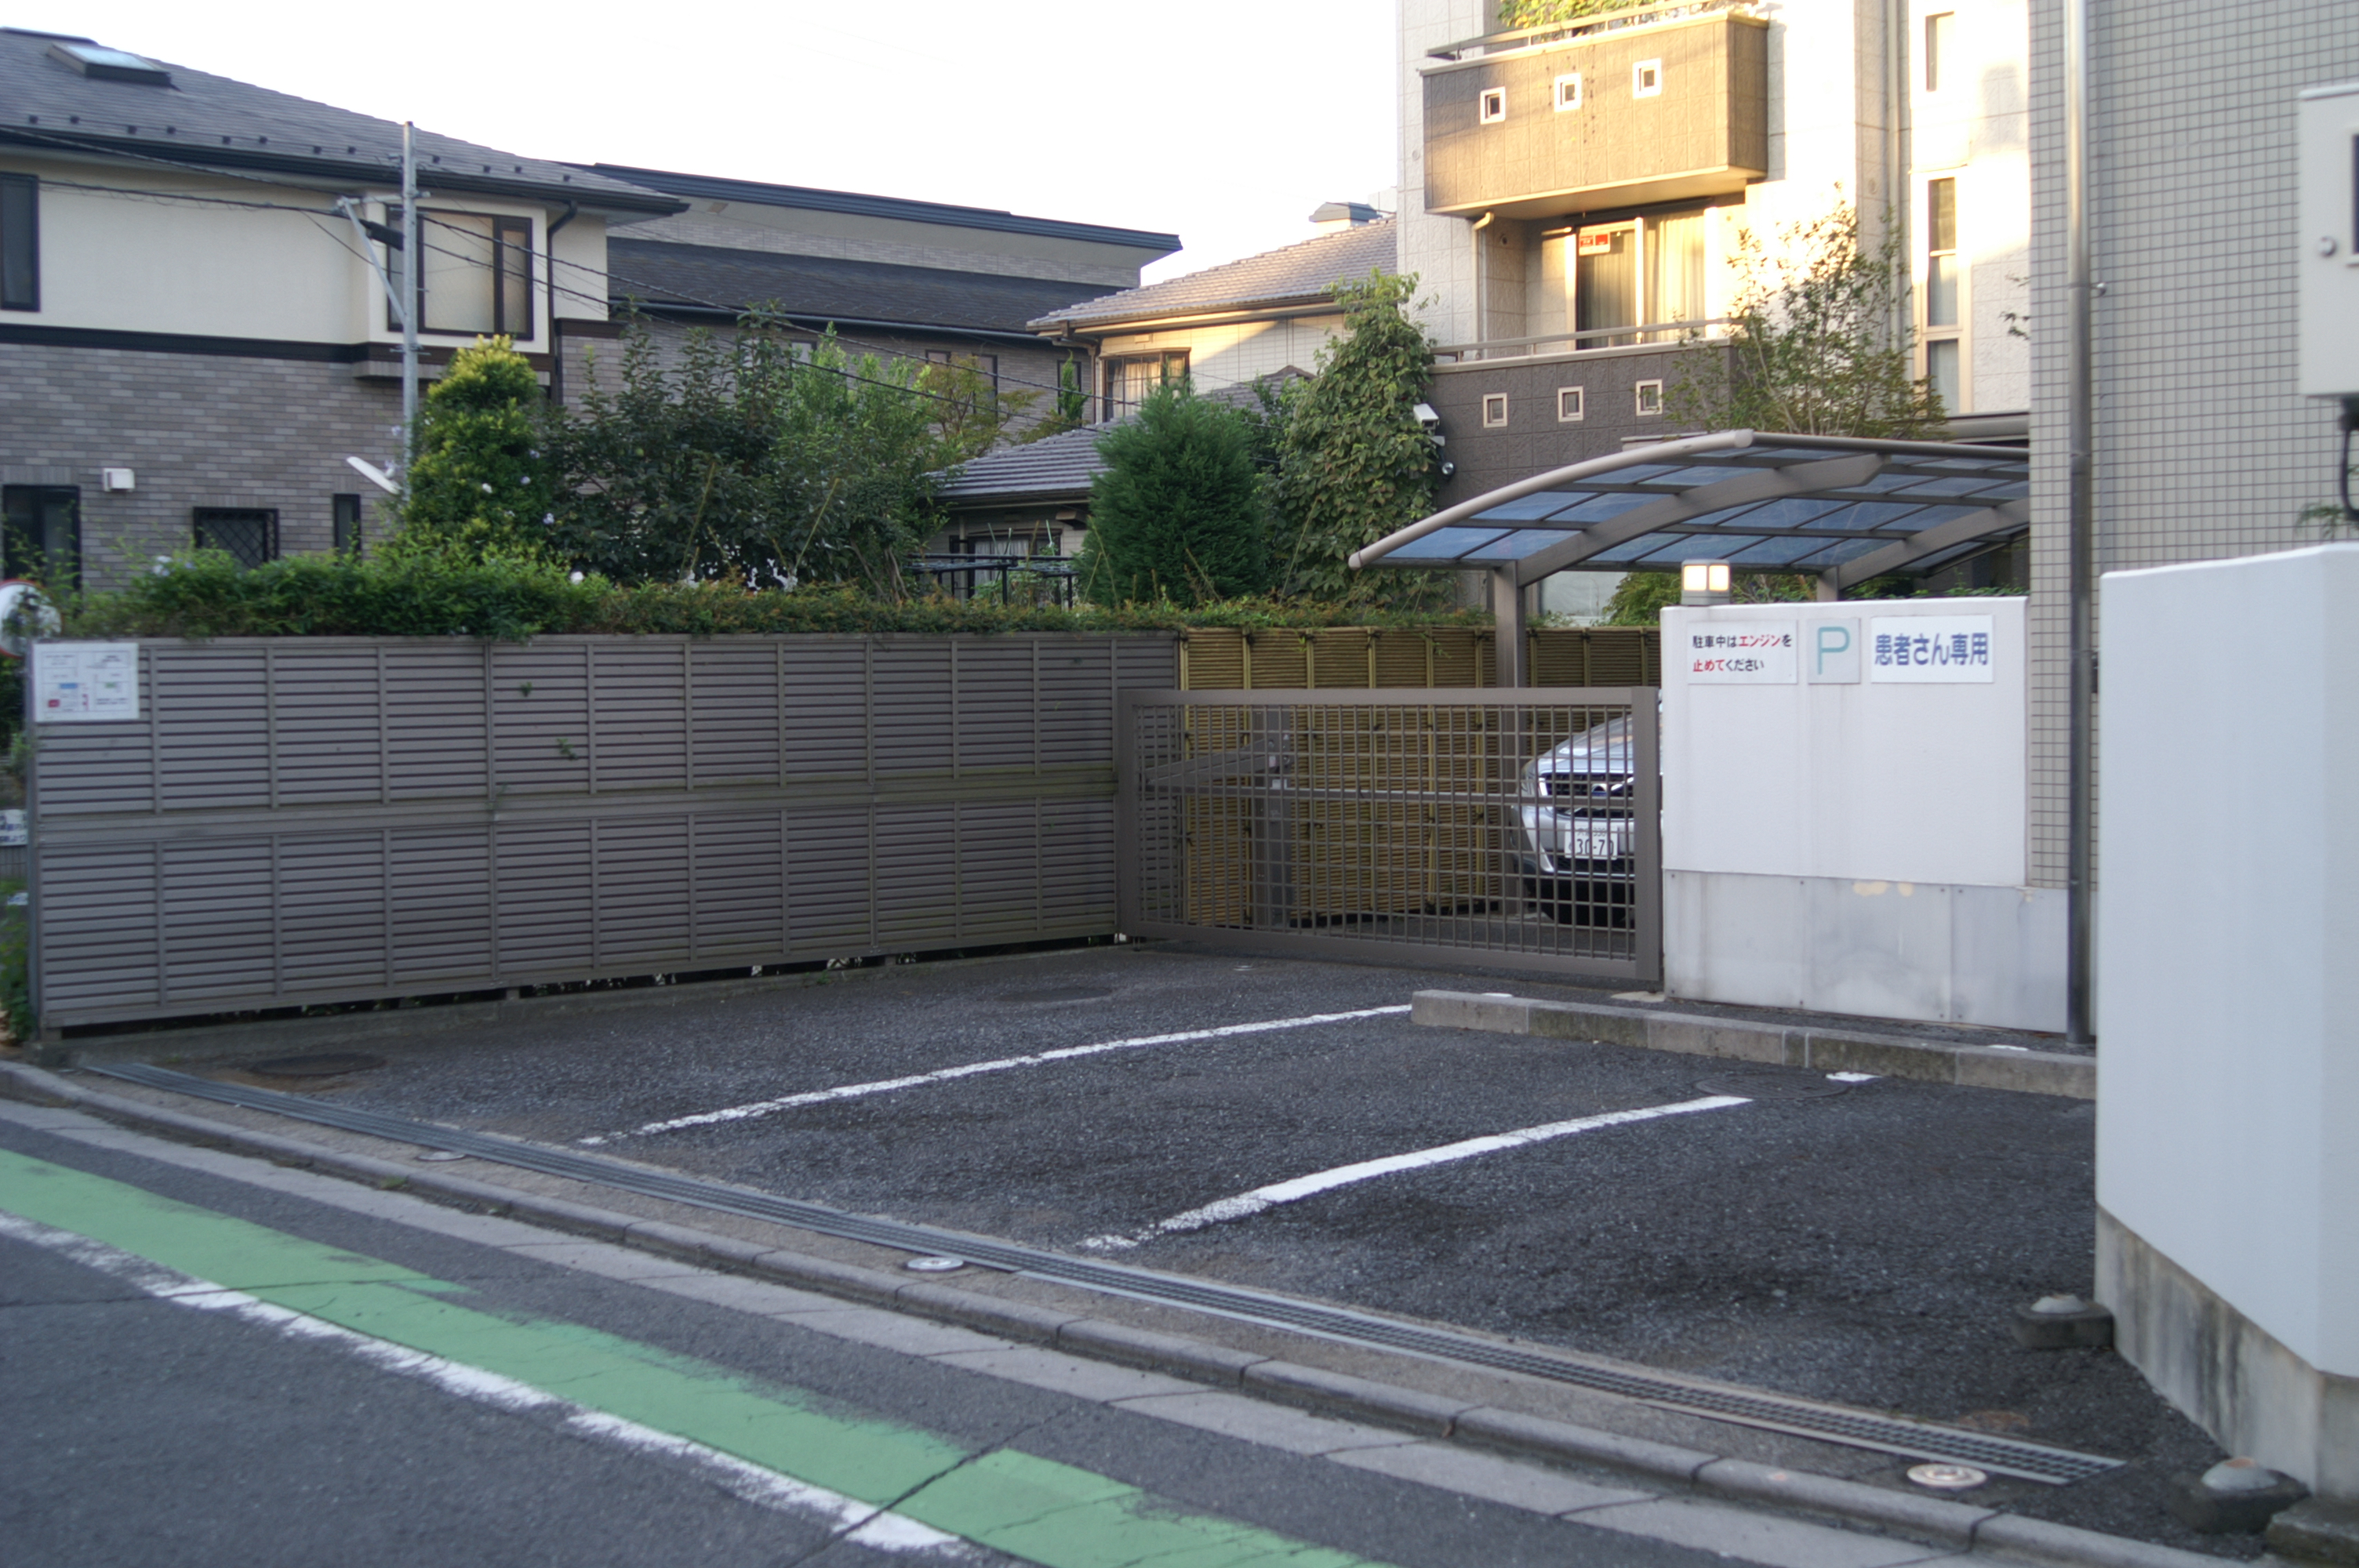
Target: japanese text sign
1931	649
85	683
1740	652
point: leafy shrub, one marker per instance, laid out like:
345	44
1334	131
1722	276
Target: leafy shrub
481	483
1177	514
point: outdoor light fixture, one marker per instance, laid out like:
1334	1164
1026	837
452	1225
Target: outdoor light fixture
1703	582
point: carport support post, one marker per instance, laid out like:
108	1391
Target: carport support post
1512	656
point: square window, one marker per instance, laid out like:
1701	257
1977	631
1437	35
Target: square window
1493	105
1647	79
1495	410
1568	405
1567	92
1650	397
248	535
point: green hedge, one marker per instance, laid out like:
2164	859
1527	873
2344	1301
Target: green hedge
208	595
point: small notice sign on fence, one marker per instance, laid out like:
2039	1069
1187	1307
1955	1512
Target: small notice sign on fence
1740	652
85	683
1931	649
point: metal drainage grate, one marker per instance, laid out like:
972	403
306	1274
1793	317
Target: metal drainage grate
1827	1423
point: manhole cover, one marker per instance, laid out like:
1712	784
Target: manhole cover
1770	1083
327	1064
1058	993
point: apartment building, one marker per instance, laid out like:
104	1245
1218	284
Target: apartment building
1577	198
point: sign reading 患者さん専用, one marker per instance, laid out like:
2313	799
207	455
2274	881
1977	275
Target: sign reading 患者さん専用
85	683
1740	652
1931	649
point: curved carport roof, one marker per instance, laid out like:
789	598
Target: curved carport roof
1839	508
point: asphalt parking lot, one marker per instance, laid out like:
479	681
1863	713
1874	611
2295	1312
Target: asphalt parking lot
1864	1242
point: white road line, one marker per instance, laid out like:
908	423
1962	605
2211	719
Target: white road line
969	1069
873	1527
1244	1206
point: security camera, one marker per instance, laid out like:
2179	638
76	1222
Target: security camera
1426	416
1449	469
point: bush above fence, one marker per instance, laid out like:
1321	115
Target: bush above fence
208	595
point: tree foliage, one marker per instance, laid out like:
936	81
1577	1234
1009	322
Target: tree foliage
1513	14
482	483
1179	512
749	459
1817	340
1353	464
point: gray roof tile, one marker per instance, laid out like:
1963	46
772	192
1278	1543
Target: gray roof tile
659	273
1295	274
1053	467
206	120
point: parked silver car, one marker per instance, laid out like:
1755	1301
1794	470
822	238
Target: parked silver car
1578	850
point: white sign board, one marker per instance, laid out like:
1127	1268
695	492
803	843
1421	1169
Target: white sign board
1932	650
85	683
1740	652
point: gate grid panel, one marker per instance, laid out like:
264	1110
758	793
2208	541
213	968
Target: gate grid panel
1452	827
321	820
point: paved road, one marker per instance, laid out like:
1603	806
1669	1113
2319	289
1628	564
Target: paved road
213	1360
1861	1242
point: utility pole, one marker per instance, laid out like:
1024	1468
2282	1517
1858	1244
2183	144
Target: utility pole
2081	536
410	232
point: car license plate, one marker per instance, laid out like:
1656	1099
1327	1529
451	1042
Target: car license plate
1597	846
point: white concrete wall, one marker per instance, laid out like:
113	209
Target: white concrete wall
2228	958
1854	847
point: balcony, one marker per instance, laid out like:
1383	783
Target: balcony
1648	104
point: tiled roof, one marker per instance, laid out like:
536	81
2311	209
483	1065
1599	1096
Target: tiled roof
657	273
1053	467
703	187
213	121
1296	275
1058	468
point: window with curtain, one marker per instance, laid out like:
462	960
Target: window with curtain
1675	270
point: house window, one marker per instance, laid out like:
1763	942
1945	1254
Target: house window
1493	105
42	533
20	242
1937	48
346	509
985	365
1567	92
1130	378
1569	405
248	535
1944	311
474	273
1650	397
1495	410
1600	282
1647	79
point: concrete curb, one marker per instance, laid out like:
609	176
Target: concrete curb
1744	1040
1509	1432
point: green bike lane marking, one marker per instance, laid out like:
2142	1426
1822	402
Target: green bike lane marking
1038	1510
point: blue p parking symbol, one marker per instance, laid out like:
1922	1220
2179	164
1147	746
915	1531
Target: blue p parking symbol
1834	653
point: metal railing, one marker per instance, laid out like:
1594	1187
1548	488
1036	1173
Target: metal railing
1601	21
1025	579
1468	826
1659	335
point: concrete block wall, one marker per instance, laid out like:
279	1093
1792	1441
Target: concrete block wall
196	430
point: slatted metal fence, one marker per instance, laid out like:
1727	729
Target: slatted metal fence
1515	830
296	821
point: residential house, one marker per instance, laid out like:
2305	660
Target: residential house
194	320
1228	327
900	278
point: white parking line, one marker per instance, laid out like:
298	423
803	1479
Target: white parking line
1244	1206
969	1069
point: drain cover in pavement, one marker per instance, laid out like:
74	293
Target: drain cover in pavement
1769	1082
327	1064
1058	993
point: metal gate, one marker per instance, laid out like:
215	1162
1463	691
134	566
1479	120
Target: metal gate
1474	827
300	821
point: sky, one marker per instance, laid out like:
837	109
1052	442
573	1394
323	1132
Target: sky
1223	121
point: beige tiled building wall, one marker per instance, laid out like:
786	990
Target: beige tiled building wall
2204	450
